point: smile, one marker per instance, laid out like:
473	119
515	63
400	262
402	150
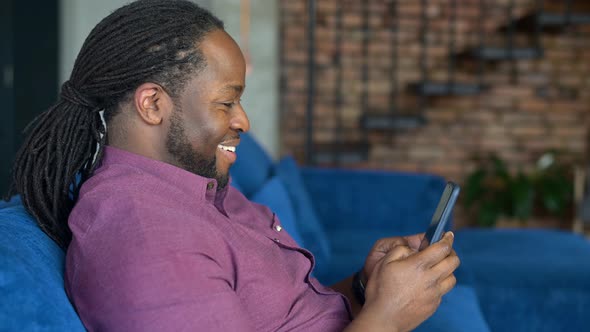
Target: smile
227	148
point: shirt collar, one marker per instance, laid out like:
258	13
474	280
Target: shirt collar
188	182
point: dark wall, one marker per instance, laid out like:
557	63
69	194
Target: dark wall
6	90
29	61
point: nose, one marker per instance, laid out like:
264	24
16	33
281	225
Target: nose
239	120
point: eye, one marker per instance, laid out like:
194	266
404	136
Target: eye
231	104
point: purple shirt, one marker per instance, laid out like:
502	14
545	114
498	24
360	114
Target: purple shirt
156	248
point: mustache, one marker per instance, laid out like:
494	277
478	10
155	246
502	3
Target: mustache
235	137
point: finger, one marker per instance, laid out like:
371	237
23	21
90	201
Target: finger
415	240
397	253
447	266
447	284
436	252
387	244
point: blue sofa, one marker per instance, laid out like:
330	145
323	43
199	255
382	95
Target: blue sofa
509	280
513	280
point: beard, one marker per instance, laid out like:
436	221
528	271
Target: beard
180	148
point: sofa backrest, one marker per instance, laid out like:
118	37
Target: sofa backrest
31	277
405	201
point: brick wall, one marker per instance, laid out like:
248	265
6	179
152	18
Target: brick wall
531	106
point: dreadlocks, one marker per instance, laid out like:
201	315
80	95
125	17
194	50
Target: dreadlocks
147	40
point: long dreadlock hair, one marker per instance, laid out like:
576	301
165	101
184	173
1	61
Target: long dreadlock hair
145	41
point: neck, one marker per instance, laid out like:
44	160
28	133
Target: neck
140	140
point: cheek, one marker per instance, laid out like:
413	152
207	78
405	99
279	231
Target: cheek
206	132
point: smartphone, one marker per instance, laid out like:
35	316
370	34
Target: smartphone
441	215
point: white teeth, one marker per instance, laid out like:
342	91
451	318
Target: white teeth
227	148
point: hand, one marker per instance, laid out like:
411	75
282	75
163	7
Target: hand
386	245
405	286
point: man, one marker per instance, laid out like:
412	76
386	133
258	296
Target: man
157	240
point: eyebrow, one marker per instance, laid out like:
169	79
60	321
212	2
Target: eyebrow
235	88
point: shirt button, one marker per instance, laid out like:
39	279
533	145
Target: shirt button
210	185
278	228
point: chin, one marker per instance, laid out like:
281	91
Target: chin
222	175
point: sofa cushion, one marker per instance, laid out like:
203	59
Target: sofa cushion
526	257
539	309
459	311
274	195
252	167
540	275
308	223
31	277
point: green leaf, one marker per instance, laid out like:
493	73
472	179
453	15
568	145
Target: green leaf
556	191
474	188
488	214
522	197
500	168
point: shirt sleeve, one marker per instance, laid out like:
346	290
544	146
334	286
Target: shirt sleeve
149	273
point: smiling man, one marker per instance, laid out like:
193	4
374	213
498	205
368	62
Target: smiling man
156	238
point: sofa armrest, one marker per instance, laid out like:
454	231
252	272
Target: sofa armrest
399	202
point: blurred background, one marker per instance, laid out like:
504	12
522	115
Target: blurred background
494	95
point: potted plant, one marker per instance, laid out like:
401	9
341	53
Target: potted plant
493	193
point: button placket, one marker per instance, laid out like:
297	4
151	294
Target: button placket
211	191
276	225
280	236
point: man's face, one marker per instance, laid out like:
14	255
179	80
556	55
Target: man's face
204	127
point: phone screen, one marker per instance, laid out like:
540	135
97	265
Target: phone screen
441	215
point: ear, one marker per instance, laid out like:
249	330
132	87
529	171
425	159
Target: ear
152	103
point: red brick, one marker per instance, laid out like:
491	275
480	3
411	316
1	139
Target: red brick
578	132
539	132
513	91
568	106
512	119
442	115
534	105
496	143
425	153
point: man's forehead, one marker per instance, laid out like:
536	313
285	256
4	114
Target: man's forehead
225	69
232	88
220	46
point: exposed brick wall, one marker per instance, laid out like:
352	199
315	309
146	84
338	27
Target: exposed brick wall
545	105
